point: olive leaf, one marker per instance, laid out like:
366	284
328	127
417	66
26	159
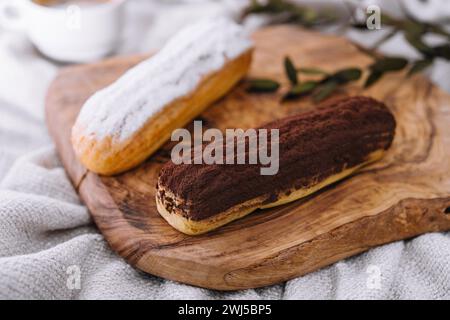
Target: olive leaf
373	77
312	71
271	6
413	27
309	16
414	31
417	42
389	21
383	65
300	89
325	91
437	29
442	51
419	66
290	70
325	87
347	75
262	85
291	13
389	64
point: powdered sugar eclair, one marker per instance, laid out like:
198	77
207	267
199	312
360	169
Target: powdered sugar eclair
123	124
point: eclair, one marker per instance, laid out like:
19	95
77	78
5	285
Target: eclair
124	123
316	149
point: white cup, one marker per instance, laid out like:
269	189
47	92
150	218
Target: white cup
75	32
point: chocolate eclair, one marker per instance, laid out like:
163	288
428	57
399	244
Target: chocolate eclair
316	149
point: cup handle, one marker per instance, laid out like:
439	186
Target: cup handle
12	15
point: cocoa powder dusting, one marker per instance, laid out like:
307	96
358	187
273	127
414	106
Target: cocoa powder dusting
313	146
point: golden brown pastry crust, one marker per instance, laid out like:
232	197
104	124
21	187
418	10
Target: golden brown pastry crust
192	227
110	157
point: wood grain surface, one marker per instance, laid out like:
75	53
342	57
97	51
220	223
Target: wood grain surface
404	195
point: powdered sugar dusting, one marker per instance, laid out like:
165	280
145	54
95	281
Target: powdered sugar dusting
123	108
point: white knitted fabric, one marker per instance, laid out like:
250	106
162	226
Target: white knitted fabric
47	235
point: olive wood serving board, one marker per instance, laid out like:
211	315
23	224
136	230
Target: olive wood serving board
405	194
